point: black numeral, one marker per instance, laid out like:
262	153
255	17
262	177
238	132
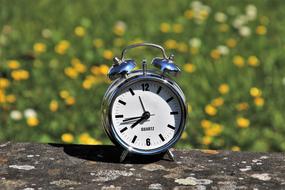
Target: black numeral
148	142
145	87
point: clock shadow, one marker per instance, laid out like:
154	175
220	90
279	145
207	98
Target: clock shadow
106	153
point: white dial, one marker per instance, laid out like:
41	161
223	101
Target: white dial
146	114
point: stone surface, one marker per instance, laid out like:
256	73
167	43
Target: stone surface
56	166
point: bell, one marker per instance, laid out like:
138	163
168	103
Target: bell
166	65
121	68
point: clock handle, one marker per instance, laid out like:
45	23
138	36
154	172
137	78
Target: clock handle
145	45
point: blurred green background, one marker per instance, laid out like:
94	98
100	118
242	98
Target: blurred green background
54	56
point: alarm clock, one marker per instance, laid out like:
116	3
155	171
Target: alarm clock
144	111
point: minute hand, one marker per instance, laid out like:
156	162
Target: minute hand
138	121
132	118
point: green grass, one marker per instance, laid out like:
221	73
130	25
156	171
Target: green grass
22	23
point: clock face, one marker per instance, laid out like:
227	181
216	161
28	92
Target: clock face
146	115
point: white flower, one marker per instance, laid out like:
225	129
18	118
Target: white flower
46	33
30	113
251	12
16	115
196	4
195	42
244	31
224	50
220	17
240	21
283	81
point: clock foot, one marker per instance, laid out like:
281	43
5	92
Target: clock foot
170	155
123	155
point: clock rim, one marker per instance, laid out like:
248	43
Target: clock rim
117	87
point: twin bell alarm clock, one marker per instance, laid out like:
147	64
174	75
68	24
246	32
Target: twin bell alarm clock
144	111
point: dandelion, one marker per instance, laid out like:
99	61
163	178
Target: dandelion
30	113
189	14
189	67
98	43
120	28
206	140
4	83
2	97
85	138
53	106
255	92
242	122
67	137
218	102
259	102
64	94
170	44
235	148
224	88
20	75
206	124
242	106
211	110
220	17
103	69
70	101
244	31
39	48
108	54
184	135
231	43
71	72
78	66
261	30
164	27
214	130
62	47
177	28
253	61
224	50
238	61
33	121
79	31
11	98
13	64
16	115
215	54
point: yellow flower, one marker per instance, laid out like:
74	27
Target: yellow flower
70	101
39	48
189	108
235	148
164	27
211	110
170	44
238	61
53	106
103	69
242	122
231	43
13	64
218	102
184	135
214	130
20	75
67	137
79	31
64	94
98	43
2	97
108	54
119	28
182	47
11	98
177	28
215	54
71	72
206	140
255	92
33	121
85	138
224	88
224	27
206	124
4	83
119	42
87	84
189	67
62	47
78	66
189	14
253	61
194	50
242	106
258	101
261	30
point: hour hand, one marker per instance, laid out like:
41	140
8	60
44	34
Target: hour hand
132	118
